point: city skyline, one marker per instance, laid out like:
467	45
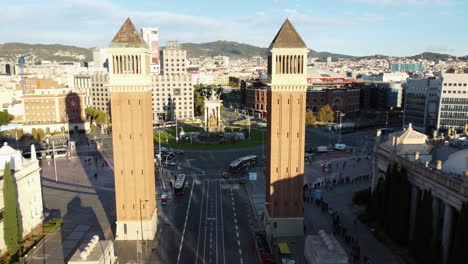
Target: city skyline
352	27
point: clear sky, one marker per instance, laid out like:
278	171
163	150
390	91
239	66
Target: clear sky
354	27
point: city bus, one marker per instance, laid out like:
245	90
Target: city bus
242	163
57	153
179	185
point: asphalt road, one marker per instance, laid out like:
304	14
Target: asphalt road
210	223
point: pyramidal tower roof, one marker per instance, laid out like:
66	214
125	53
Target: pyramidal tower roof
287	37
128	37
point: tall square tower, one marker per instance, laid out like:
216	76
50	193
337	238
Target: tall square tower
287	86
132	135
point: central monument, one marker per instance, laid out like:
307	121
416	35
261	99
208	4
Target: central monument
213	103
132	135
287	86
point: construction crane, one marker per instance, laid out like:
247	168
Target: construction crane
21	65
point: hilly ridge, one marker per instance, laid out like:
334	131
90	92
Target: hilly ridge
53	52
58	52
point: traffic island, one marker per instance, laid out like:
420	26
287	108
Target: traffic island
167	138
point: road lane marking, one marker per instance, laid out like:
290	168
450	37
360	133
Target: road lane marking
185	224
237	233
222	226
206	217
238	242
235	220
240	251
199	226
216	220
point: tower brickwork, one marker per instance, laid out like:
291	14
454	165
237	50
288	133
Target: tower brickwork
132	135
287	86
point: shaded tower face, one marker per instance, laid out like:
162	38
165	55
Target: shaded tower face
287	62
132	134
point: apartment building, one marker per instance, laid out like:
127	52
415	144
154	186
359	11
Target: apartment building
421	103
437	104
58	105
453	106
173	89
95	88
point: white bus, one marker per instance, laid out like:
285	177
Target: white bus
241	163
179	185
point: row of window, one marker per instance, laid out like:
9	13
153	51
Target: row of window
454	100
455	84
182	60
450	91
454	115
163	98
460	108
453	122
174	84
168	107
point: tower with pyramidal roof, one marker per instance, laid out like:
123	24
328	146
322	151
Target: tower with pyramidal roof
132	135
287	85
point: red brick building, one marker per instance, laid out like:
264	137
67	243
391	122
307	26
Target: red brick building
343	99
324	88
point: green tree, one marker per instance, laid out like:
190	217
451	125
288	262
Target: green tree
38	134
421	244
326	114
90	112
222	110
5	118
198	102
459	253
101	117
12	232
310	117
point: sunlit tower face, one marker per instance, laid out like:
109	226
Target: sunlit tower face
132	135
287	85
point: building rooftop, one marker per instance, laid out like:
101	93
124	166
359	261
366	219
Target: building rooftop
128	37
287	37
408	141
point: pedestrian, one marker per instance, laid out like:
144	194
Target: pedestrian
95	176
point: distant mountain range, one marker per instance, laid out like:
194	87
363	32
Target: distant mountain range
57	52
52	52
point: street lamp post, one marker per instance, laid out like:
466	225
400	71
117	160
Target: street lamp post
55	164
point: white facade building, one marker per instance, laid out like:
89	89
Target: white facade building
99	57
453	108
26	173
173	89
433	104
95	88
394	76
151	37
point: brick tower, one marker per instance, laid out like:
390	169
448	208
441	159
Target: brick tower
287	85
132	135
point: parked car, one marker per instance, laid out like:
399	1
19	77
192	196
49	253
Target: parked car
170	164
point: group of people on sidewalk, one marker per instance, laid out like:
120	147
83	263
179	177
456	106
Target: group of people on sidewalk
340	230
